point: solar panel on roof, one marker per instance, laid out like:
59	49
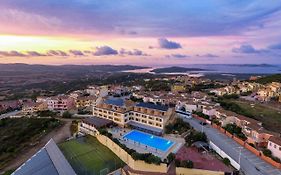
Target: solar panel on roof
153	106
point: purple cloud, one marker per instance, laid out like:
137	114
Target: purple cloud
208	55
104	50
12	54
135	52
177	56
76	52
191	19
166	44
57	53
246	48
35	54
275	46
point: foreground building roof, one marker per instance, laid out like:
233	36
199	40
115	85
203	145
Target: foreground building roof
49	160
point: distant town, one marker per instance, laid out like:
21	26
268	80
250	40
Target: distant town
168	124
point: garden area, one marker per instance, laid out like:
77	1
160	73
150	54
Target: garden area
235	130
177	127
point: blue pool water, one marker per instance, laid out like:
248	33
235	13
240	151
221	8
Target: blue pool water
149	140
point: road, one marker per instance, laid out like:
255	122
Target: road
6	115
250	164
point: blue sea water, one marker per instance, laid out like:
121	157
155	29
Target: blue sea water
237	68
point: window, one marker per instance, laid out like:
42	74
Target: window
274	146
117	119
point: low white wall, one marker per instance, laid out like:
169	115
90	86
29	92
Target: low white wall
224	155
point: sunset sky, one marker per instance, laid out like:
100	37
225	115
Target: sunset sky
140	32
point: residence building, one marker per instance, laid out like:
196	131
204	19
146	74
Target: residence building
144	116
58	103
30	108
274	145
93	124
85	101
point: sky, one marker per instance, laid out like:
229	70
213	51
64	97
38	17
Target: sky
140	32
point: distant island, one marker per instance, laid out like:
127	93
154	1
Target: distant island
176	69
253	65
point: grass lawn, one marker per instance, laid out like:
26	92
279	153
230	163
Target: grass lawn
88	156
270	118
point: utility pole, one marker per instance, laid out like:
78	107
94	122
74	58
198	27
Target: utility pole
240	152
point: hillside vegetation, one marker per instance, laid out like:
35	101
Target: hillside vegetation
269	79
17	134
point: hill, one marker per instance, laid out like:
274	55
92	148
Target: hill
269	79
176	69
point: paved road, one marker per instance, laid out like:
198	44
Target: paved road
250	164
6	115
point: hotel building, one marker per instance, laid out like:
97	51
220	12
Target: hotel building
144	116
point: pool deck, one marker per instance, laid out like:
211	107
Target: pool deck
141	148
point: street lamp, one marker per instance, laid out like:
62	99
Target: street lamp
240	152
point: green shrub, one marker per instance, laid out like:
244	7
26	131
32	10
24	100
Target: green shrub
66	114
201	114
235	130
171	157
195	136
187	164
276	159
226	161
231	96
267	152
177	126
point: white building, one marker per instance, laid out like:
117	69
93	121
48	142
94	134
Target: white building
274	145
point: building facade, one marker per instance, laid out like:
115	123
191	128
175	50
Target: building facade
144	116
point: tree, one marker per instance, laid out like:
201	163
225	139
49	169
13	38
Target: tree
66	114
267	152
171	157
226	161
187	164
74	127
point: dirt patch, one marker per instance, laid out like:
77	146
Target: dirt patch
201	160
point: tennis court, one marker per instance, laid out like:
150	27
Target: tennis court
88	156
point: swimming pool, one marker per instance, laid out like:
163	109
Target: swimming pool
149	140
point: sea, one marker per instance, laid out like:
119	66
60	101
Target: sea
224	68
